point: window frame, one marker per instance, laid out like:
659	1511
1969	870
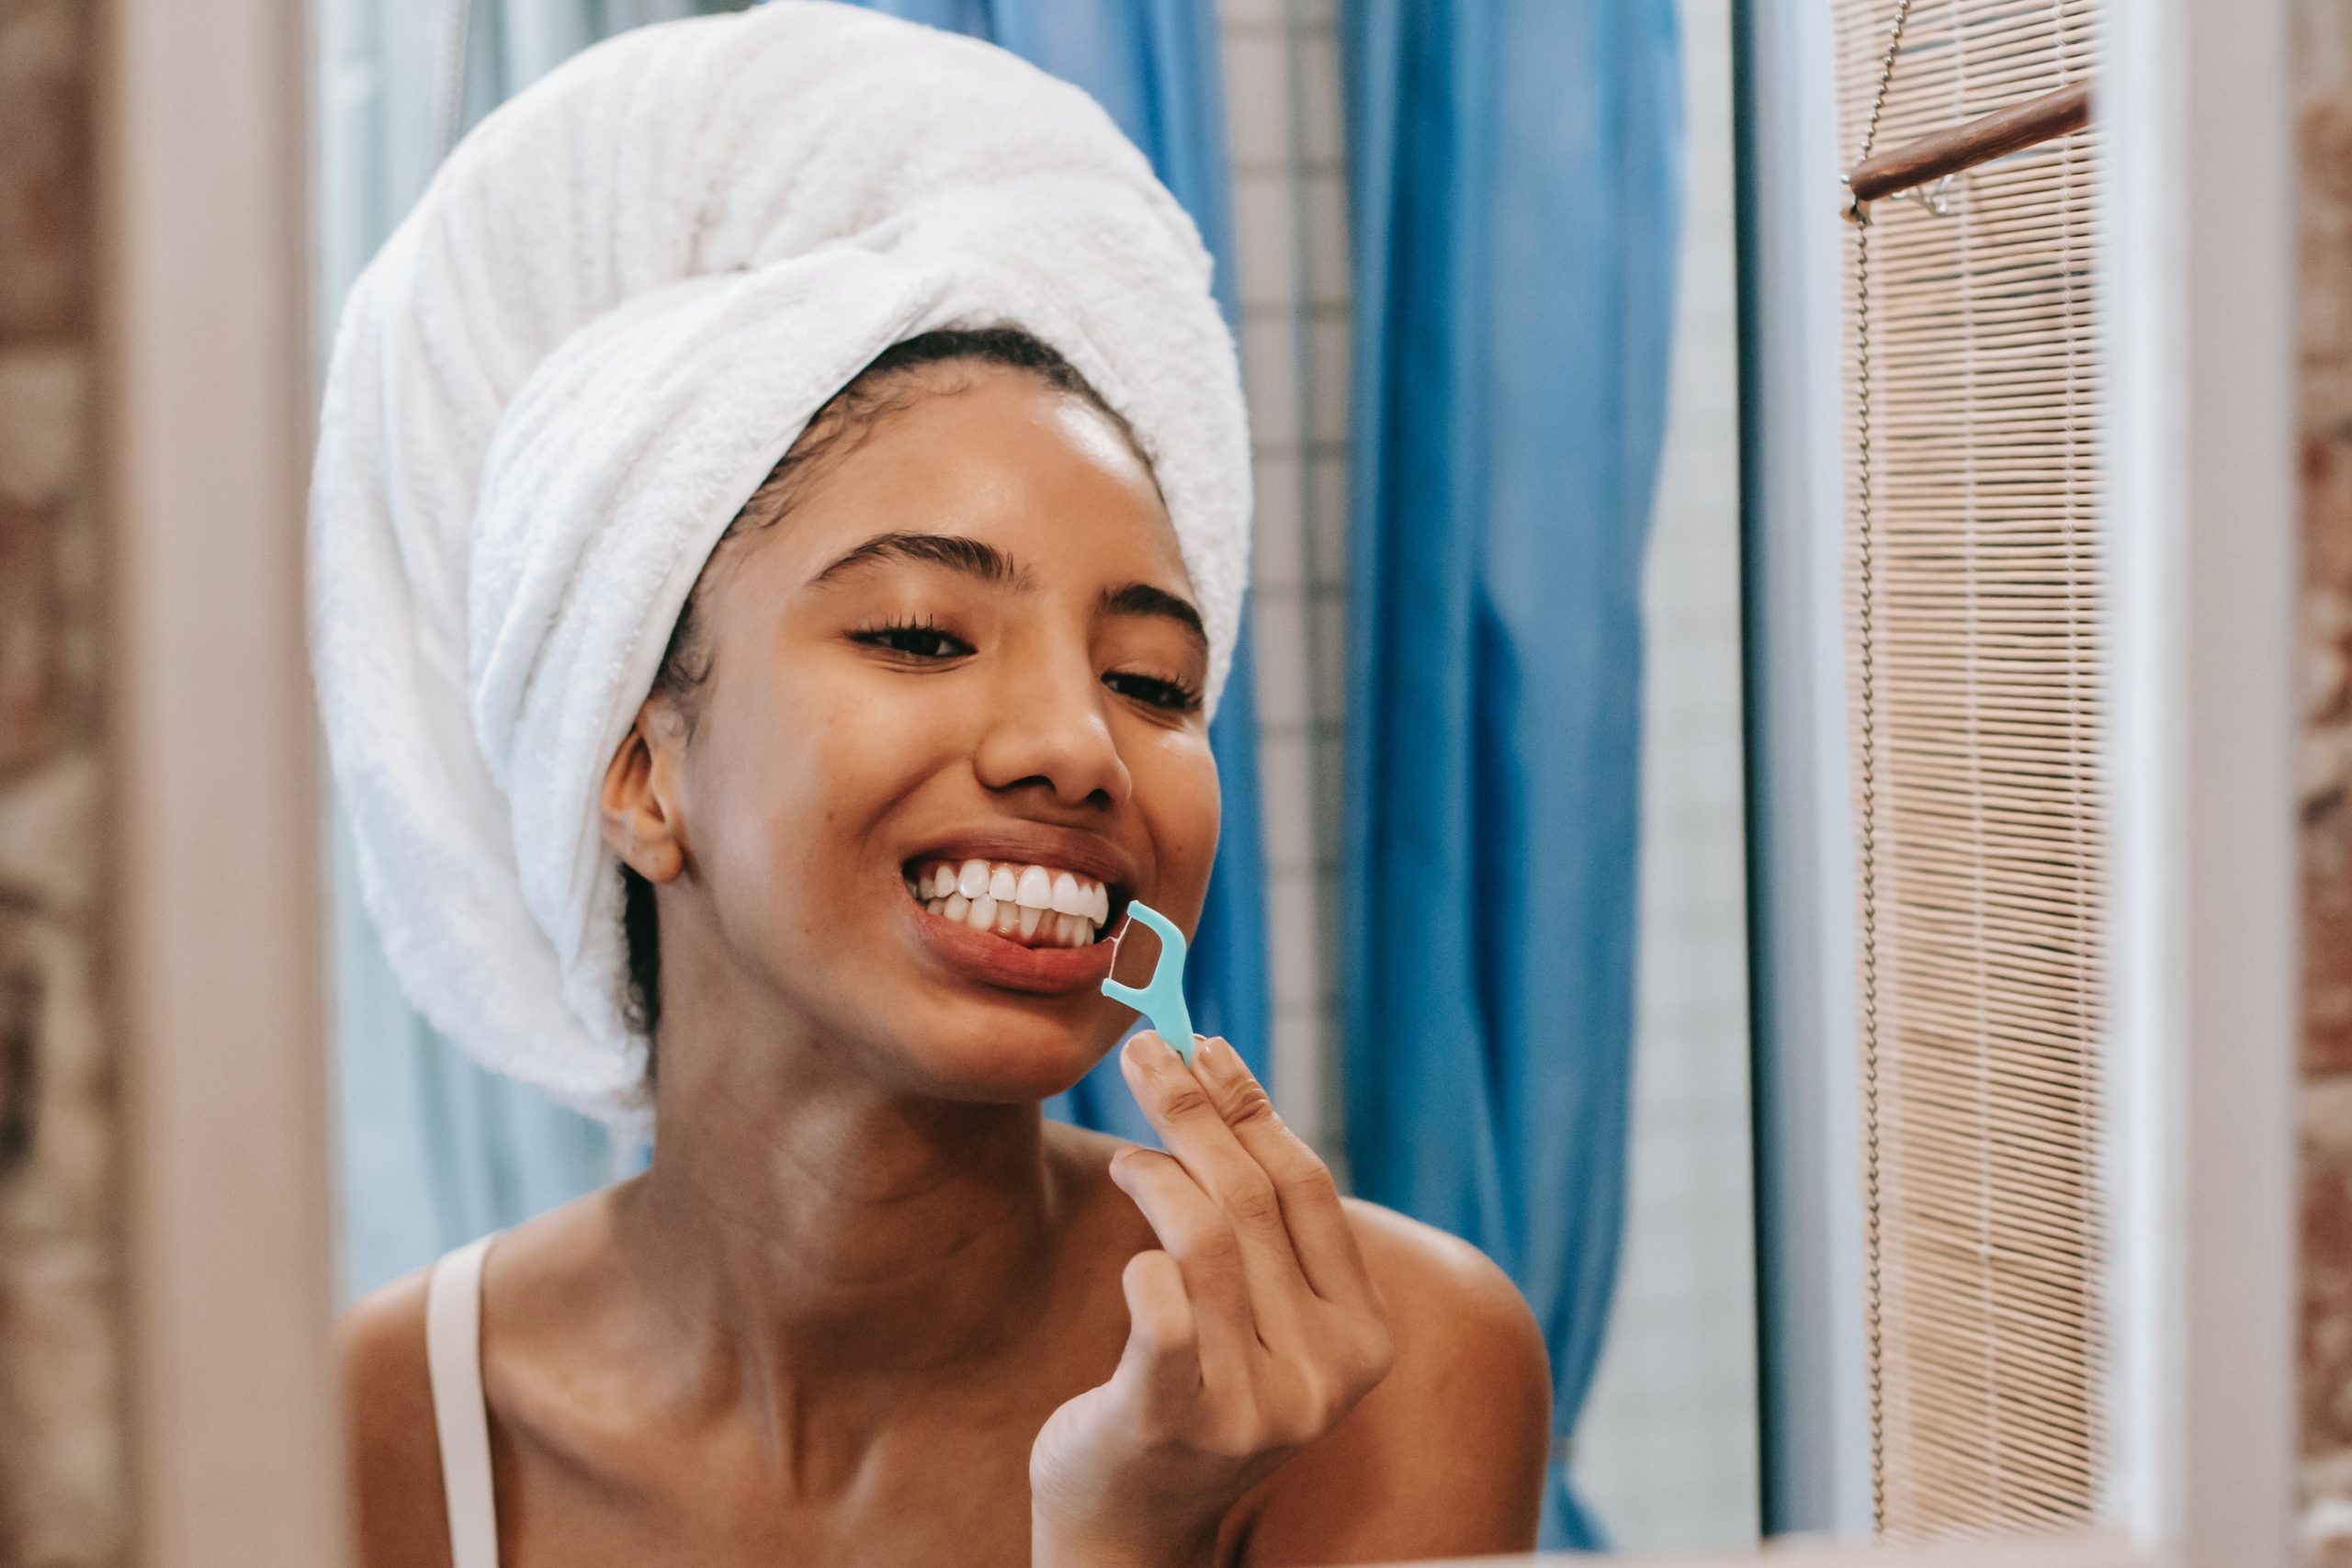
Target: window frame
217	902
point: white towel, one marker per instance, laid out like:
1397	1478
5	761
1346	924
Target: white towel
617	305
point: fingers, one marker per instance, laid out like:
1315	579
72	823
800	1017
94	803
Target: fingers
1189	1122
1161	1365
1205	1252
1320	1233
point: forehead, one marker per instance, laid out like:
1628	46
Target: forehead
998	455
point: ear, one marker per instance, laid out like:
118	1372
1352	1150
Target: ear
640	817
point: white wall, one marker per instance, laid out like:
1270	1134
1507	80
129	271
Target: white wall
1667	1451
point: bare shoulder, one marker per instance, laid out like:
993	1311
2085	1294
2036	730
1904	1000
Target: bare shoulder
1458	1431
393	1449
1444	1286
1467	1346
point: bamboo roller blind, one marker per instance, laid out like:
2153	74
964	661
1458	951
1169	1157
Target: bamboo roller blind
1974	567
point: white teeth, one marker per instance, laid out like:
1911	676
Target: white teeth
1055	909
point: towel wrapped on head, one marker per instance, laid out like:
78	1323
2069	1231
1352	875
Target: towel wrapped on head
617	305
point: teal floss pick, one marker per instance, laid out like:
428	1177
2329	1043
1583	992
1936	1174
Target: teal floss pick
1162	999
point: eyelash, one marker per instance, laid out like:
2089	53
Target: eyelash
1169	696
896	636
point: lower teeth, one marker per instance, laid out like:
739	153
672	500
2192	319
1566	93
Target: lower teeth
1031	927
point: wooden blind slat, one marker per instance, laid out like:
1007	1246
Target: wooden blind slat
1977	775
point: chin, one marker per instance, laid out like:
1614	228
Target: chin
1011	1051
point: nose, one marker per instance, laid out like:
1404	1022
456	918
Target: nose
1047	731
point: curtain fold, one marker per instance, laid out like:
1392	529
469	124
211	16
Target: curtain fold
1515	188
1155	66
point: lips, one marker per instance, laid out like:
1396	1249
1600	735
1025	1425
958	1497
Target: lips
1040	898
995	961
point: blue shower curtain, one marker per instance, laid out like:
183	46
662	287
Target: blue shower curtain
1154	64
1514	174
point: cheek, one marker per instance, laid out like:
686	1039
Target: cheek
796	774
1176	786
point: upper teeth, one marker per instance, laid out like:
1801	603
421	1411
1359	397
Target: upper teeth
1032	904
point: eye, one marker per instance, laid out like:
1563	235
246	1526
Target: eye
1168	696
921	642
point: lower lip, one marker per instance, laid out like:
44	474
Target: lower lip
993	960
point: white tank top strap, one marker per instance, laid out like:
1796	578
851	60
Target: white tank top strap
453	1357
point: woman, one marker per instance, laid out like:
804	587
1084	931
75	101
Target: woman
933	711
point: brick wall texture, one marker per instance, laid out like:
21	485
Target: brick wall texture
63	1484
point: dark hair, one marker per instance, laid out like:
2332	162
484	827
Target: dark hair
885	386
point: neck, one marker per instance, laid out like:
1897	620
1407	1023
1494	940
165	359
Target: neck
834	1229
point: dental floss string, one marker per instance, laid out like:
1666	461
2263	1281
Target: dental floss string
1162	999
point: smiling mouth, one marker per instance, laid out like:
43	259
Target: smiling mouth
1034	906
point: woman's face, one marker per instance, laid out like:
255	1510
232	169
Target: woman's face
960	681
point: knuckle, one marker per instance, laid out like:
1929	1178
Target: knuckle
1376	1353
1239	1434
1251	1107
1252	1201
1342	1398
1206	1243
1186	1101
1302	1423
1307	1175
1324	1410
1227	1440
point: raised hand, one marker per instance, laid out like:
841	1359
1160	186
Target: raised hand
1252	1330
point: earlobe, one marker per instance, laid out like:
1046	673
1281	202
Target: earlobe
638	819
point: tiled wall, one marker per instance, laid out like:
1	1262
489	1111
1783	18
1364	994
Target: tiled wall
2323	62
1281	86
1667	1446
63	1482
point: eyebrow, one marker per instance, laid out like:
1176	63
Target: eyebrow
1143	599
973	557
